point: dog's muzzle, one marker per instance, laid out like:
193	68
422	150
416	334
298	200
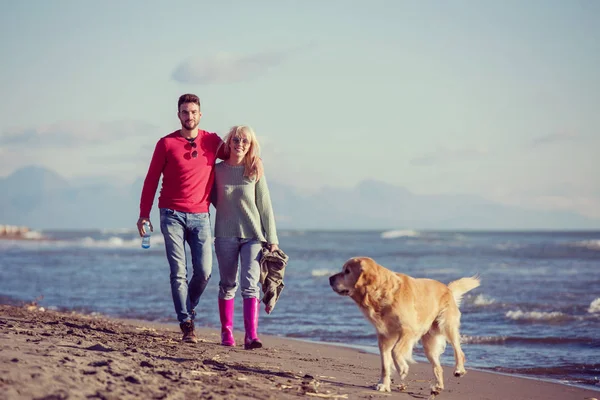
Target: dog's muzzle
334	286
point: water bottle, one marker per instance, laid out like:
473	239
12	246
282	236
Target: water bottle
146	237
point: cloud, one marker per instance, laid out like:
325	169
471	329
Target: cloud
554	138
445	156
227	67
69	134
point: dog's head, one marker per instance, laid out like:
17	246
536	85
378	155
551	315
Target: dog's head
355	274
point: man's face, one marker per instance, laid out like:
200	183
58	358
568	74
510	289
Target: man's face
189	115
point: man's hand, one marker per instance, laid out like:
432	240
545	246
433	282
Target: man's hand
140	225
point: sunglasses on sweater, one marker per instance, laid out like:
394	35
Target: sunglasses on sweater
194	152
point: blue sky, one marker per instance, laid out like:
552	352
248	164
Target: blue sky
497	99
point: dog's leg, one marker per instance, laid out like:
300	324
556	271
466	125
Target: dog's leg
434	344
453	335
402	354
385	349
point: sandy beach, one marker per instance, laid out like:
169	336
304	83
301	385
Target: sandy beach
57	355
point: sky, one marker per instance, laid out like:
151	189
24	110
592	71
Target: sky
495	99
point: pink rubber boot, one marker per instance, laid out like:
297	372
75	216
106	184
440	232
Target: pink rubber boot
251	341
226	314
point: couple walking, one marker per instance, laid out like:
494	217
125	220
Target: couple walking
244	221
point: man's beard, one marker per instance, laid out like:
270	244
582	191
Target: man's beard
189	125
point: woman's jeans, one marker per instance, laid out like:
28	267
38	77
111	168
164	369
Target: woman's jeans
248	251
177	228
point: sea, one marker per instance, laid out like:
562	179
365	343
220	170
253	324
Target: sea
536	313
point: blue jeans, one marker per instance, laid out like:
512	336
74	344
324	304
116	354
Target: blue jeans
229	250
177	228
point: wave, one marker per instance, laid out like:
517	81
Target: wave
118	231
481	300
34	235
117	242
594	306
317	273
393	234
111	242
521	340
588	244
586	374
509	246
536	316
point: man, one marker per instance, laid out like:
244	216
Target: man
186	160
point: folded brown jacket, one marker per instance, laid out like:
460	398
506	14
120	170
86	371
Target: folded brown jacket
272	269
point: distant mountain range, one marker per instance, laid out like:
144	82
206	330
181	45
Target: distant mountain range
41	199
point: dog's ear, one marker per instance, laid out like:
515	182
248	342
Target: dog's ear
365	268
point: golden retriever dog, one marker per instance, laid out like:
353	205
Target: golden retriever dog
403	310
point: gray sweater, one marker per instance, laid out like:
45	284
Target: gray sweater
243	205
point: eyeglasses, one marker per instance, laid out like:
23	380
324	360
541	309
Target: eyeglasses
243	141
194	153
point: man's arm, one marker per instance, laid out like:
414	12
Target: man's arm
157	165
222	149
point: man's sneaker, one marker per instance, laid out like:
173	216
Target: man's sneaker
188	332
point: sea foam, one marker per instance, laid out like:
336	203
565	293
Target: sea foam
594	306
481	300
519	315
399	233
322	272
588	244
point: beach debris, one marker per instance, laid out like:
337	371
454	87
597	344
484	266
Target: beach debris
198	372
283	386
328	396
33	305
145	329
309	384
100	347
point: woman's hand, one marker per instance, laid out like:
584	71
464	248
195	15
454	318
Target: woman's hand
273	247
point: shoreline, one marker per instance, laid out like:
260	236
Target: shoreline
368	350
56	353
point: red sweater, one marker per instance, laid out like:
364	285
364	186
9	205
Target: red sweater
187	181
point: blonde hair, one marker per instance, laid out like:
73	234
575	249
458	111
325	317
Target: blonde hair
253	167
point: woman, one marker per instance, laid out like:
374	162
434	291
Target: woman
244	223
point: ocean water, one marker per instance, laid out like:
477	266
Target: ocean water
537	312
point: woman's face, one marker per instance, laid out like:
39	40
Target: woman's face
239	145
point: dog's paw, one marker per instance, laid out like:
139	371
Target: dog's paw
402	387
459	372
436	389
381	387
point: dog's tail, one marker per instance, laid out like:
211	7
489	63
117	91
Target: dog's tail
462	286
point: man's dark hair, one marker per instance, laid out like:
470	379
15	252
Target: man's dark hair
188	98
